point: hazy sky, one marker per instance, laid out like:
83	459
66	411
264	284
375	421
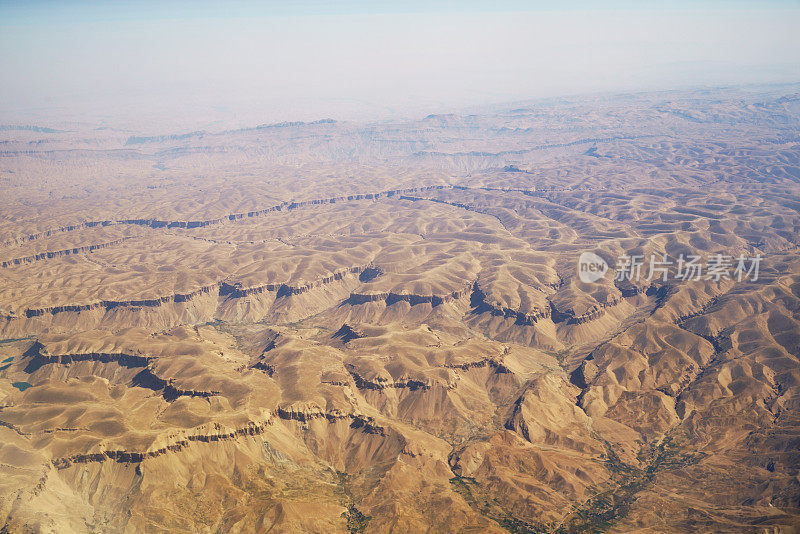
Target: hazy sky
196	62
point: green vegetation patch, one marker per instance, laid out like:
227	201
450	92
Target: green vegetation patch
598	513
492	508
356	521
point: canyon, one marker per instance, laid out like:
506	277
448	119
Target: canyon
331	326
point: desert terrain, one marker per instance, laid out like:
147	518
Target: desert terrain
379	327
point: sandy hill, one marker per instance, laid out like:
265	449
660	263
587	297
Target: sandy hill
336	327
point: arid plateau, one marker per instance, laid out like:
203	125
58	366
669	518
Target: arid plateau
342	327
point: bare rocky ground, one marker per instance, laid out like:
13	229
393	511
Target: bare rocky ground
335	327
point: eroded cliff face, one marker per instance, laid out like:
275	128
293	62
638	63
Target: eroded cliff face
330	328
